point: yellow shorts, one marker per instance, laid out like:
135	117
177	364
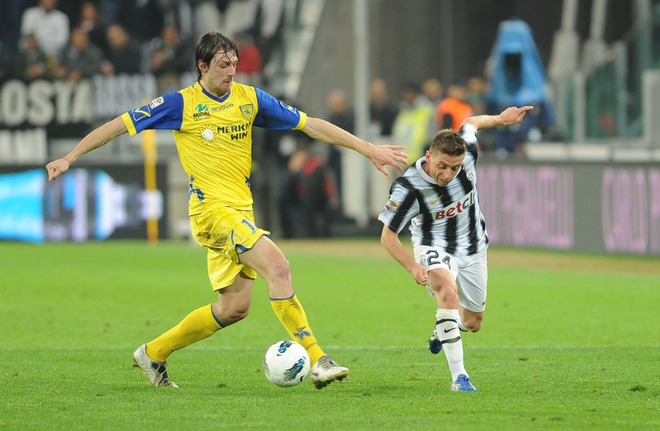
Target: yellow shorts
225	232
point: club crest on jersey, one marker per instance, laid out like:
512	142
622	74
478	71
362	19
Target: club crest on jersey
247	110
391	206
469	174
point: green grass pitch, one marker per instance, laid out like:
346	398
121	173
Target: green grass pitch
569	342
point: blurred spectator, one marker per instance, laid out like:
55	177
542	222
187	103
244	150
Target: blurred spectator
382	111
340	114
122	54
309	195
90	21
517	78
30	61
170	58
81	59
454	108
249	64
412	122
50	27
433	90
266	25
476	96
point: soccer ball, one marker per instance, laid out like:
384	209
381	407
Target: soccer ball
286	363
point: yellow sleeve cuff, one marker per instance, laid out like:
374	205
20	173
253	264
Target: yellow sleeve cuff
129	123
302	122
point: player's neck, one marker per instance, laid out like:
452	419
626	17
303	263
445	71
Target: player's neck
211	90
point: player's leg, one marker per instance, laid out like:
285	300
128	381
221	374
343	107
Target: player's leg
269	261
234	296
232	280
446	335
443	285
472	283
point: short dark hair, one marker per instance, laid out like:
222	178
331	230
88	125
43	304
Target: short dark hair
209	45
448	141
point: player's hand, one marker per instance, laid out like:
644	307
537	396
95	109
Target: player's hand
513	115
57	168
383	155
420	274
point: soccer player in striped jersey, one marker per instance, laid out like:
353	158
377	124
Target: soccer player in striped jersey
212	123
437	197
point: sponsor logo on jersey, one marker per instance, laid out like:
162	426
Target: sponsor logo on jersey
247	110
156	102
391	206
207	134
202	112
235	131
436	201
457	207
221	107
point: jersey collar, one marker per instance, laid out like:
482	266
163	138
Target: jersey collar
419	165
217	99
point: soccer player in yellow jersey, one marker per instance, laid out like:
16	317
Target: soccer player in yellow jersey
212	123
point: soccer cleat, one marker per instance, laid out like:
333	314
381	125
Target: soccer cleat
154	370
463	384
326	371
435	345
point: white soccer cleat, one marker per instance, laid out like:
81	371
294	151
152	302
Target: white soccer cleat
326	371
154	370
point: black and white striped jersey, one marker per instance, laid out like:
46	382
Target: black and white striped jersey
445	217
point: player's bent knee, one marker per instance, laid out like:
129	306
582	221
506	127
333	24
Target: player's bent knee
473	323
236	315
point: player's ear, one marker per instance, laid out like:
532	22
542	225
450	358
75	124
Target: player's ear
202	66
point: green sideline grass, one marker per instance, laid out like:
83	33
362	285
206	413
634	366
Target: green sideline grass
560	348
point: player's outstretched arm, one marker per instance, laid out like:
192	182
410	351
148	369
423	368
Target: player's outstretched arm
508	117
380	155
392	244
95	139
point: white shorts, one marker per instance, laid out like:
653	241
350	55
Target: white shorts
470	272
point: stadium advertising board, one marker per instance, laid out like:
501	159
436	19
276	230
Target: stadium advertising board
612	208
32	113
87	203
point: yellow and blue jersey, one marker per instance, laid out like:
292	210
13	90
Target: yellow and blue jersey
214	138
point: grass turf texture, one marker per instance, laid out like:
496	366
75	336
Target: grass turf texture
569	342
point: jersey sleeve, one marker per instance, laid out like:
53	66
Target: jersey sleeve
469	134
165	112
401	207
277	115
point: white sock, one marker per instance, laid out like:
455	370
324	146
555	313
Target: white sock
446	326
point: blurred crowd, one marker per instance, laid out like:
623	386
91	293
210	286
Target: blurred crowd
75	39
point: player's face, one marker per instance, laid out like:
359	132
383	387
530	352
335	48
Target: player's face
218	75
443	167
